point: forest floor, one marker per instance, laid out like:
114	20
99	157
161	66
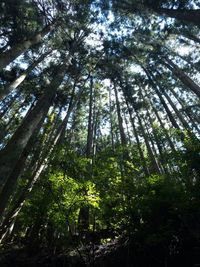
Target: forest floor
87	255
116	253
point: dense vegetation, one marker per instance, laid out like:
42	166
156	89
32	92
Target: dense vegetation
99	133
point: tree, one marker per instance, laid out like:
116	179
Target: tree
8	56
99	141
180	12
12	152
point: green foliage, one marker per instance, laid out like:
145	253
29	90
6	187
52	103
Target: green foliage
145	187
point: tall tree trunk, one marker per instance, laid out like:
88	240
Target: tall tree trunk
13	150
7	189
84	212
120	121
129	99
111	119
168	139
184	58
143	161
154	86
189	15
155	143
184	109
73	102
127	127
180	117
90	122
154	167
8	105
11	216
156	137
163	128
13	85
11	181
39	166
30	149
187	34
182	76
15	110
8	56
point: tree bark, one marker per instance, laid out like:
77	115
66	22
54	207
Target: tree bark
11	122
179	115
13	213
154	143
184	58
38	168
13	150
164	129
143	161
111	119
185	110
8	105
189	15
9	187
8	56
182	76
90	122
192	37
156	137
154	86
154	167
84	212
13	85
120	121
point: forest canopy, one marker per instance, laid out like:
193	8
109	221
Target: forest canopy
99	133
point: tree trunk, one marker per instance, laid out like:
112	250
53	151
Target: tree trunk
9	187
189	15
111	119
158	157
184	109
128	136
182	76
13	150
184	58
171	118
8	56
10	218
156	137
120	121
8	105
143	161
191	36
73	102
154	167
180	117
39	167
15	110
163	128
13	85
84	213
90	122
